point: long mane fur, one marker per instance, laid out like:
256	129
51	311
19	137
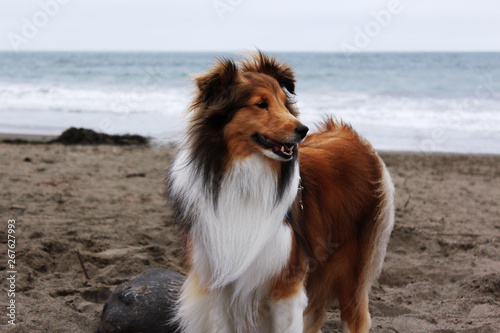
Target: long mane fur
220	93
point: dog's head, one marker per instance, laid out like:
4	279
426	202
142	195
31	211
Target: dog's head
249	106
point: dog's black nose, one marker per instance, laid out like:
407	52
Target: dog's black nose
302	131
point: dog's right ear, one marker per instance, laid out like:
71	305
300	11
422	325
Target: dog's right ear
215	82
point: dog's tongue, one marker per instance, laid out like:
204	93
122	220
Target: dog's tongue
283	149
276	145
279	147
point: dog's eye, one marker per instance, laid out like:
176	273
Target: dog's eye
262	105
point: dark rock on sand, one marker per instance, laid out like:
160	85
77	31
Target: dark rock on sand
143	304
82	136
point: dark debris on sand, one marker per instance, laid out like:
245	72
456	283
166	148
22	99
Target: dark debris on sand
83	136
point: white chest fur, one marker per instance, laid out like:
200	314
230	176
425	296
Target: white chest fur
238	246
244	234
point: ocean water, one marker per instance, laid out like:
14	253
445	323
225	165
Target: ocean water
424	102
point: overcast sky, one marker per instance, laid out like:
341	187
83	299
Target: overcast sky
233	25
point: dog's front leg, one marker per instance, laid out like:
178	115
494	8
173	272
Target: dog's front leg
287	314
195	310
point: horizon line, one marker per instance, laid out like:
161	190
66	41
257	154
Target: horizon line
240	50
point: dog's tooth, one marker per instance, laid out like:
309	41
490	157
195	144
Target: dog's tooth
282	149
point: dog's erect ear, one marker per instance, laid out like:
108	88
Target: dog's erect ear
216	81
262	63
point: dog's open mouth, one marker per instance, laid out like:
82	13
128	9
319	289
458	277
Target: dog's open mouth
284	150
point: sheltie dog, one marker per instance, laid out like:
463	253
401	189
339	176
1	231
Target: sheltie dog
274	235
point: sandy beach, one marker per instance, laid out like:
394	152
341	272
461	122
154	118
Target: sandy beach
442	271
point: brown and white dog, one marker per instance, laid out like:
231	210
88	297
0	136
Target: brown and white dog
263	255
